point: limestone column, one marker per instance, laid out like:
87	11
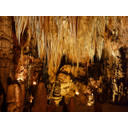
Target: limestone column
6	50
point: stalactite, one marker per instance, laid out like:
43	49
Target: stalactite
75	37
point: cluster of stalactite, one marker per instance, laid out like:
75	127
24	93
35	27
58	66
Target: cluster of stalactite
78	38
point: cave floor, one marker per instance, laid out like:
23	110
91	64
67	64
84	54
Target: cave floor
106	107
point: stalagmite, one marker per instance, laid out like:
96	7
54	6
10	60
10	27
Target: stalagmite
22	96
71	105
40	100
51	107
13	98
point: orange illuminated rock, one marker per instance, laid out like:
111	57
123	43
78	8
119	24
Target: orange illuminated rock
40	100
71	105
22	96
13	98
53	106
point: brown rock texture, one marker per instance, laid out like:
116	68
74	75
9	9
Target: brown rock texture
6	50
51	107
22	96
98	107
71	105
40	100
13	98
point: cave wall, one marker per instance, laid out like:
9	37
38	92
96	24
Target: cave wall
6	50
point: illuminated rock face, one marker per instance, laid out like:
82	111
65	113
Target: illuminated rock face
13	98
6	50
66	85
